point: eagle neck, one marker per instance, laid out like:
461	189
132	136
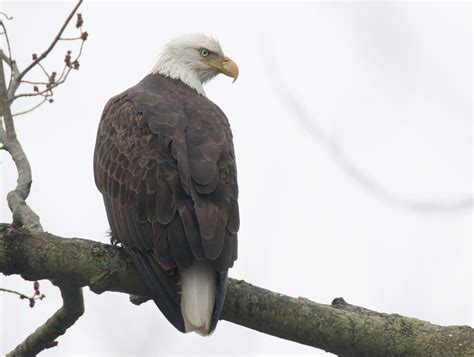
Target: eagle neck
169	67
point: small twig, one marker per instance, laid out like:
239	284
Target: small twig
43	69
22	296
5	33
33	82
37	295
45	336
6	16
70	38
32	108
50	86
51	46
44	92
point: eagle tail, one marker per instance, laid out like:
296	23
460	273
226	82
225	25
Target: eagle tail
198	297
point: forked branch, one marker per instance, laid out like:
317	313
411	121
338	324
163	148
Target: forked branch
23	216
51	46
45	336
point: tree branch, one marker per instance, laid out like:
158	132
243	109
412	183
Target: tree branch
23	216
339	328
7	39
51	46
22	213
48	92
36	106
367	182
45	335
14	72
37	295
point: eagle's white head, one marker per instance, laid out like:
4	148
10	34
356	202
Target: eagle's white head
195	59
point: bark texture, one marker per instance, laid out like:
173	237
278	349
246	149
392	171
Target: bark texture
339	328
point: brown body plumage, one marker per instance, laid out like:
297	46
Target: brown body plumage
164	162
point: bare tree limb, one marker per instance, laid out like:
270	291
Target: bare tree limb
23	216
339	328
22	213
53	44
37	295
6	16
42	83
48	92
36	106
13	71
45	72
21	295
53	83
5	58
463	202
45	336
7	39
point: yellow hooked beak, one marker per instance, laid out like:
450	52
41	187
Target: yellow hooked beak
224	65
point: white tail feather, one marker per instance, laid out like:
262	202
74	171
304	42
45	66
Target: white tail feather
198	285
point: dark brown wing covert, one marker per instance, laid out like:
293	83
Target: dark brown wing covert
164	162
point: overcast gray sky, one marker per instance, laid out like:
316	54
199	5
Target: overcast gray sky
390	82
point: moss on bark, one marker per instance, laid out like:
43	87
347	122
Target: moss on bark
339	328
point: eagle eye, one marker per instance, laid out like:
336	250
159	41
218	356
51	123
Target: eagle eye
204	52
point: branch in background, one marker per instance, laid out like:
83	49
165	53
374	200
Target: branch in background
6	16
338	328
351	169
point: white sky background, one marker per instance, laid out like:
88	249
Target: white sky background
392	83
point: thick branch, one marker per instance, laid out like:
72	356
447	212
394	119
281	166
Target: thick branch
339	328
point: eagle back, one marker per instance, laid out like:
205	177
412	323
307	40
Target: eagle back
165	162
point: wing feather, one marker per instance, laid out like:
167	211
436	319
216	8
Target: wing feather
162	251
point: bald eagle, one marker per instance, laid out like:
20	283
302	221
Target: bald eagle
164	162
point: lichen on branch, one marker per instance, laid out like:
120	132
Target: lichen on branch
339	328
